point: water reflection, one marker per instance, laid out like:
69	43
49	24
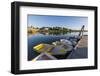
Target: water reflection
57	33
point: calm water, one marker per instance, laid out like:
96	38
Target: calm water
36	39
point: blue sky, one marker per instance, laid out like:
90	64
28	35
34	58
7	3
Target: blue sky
72	22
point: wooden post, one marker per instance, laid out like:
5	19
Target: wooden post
81	32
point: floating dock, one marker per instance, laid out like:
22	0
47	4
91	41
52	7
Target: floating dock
83	42
81	49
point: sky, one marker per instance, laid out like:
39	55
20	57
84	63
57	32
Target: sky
71	22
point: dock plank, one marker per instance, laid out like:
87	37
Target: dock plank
83	42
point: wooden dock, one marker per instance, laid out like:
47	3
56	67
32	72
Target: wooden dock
83	42
81	49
